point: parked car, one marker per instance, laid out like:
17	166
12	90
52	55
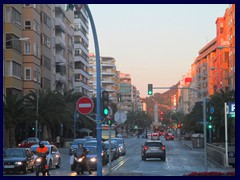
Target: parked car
74	145
18	159
121	144
27	143
169	136
53	158
153	149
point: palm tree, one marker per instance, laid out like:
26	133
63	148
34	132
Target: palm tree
14	113
217	101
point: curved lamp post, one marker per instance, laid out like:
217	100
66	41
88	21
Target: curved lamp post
78	7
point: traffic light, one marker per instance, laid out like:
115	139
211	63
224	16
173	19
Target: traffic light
150	89
161	116
109	122
210	126
105	101
179	126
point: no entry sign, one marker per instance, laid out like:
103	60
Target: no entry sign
84	105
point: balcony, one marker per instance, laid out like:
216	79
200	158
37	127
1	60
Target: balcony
60	42
59	25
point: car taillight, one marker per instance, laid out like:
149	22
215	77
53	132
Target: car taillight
145	148
163	147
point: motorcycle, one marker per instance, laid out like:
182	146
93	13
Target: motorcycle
40	167
79	164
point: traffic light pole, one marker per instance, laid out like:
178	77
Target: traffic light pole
204	120
98	117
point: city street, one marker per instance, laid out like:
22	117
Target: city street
181	159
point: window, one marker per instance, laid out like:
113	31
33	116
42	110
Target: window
12	42
26	47
35	49
16	69
46	41
27	25
27	74
46	19
16	18
36	26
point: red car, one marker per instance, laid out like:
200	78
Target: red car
169	136
27	143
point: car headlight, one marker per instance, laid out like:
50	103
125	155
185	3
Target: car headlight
93	159
18	163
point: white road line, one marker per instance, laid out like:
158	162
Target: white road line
119	164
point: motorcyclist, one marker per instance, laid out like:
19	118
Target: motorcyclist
81	151
43	151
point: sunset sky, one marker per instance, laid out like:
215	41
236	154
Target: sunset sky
155	43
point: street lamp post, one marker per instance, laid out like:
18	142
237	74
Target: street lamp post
98	117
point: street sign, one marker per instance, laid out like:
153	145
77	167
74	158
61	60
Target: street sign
84	105
231	108
212	110
110	113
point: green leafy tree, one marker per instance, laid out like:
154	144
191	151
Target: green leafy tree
13	114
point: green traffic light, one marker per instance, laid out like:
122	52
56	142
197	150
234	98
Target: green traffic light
210	126
149	92
105	111
33	129
210	118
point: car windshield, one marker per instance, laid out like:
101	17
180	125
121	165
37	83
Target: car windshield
90	143
14	153
92	151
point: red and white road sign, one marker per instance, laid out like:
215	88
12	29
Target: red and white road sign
84	105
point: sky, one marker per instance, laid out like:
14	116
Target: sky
154	43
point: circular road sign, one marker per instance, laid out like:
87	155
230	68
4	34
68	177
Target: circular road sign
84	105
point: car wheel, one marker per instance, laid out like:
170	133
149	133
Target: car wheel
59	163
50	164
163	158
25	169
143	158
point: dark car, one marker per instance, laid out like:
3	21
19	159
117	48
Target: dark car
27	143
153	149
121	144
74	145
18	159
169	136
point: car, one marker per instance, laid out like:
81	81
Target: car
46	142
113	150
53	158
155	136
92	157
18	159
27	143
121	144
153	149
169	136
74	145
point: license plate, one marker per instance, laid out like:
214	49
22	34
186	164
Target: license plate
8	166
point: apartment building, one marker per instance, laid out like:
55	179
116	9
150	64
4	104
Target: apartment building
81	43
64	49
109	76
12	49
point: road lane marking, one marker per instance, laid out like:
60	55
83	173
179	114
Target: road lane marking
119	164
